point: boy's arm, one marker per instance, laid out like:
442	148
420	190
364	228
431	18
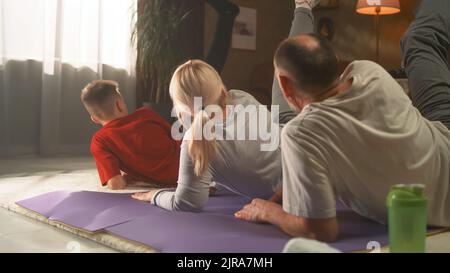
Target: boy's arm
118	182
107	166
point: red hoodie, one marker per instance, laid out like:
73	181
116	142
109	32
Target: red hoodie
140	145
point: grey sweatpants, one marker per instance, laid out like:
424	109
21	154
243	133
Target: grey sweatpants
425	48
303	23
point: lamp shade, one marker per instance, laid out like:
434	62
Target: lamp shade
381	7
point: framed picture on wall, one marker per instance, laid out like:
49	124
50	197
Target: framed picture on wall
328	4
244	30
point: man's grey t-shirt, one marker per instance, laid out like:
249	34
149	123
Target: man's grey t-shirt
240	165
358	144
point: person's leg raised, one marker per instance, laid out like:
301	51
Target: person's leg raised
303	23
425	48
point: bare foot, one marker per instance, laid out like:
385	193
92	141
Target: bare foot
143	196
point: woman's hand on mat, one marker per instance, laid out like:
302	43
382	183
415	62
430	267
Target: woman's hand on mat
258	211
144	196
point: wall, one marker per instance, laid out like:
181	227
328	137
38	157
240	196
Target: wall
273	24
355	33
354	38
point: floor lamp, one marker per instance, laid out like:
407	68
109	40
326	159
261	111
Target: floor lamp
377	8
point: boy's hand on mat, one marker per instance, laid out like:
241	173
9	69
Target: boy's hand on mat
144	196
258	211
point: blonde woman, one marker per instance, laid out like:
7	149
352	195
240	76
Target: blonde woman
232	157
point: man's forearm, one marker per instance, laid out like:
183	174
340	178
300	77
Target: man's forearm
290	224
325	230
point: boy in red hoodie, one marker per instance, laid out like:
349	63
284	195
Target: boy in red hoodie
129	147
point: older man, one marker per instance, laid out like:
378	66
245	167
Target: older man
357	134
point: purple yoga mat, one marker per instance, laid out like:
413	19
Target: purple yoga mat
356	231
216	230
202	232
213	230
91	211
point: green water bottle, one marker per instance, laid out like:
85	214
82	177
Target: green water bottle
407	218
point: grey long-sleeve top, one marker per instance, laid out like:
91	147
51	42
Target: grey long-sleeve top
240	166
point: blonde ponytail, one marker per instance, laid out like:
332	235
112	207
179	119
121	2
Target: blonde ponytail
201	150
194	79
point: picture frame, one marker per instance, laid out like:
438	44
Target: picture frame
245	29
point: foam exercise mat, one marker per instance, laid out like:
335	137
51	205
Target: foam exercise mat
86	210
213	230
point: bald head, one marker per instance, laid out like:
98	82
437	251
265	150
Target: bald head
309	61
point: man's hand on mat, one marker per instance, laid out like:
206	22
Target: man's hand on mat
144	196
258	211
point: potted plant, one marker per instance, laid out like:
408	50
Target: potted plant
155	35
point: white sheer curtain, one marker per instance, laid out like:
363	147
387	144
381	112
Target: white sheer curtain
49	49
